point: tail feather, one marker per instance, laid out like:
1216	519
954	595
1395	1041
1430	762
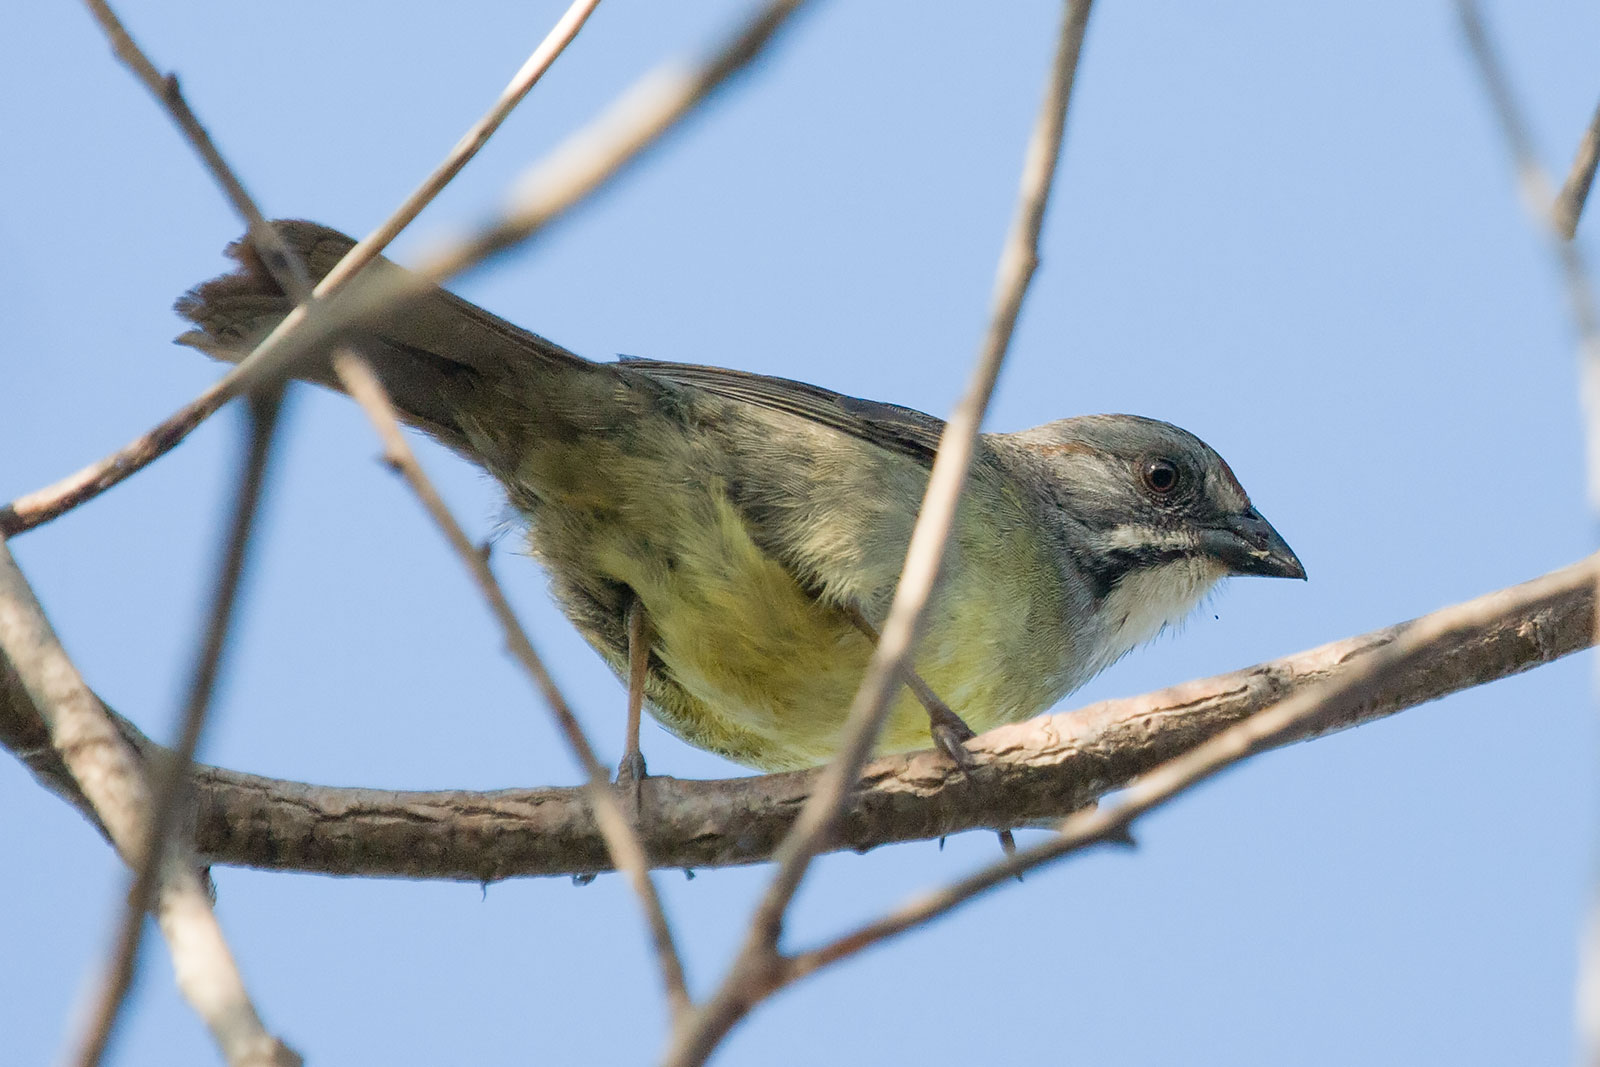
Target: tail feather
429	353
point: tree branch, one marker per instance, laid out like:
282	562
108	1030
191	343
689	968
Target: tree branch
1040	770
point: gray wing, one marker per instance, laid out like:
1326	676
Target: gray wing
903	430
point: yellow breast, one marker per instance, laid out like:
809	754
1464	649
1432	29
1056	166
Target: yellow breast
763	672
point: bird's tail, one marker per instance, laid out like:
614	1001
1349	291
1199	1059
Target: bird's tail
438	355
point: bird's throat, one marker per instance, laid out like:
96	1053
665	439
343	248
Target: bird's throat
1149	599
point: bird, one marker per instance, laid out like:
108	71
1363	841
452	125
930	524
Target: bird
729	542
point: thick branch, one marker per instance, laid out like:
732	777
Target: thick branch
1038	770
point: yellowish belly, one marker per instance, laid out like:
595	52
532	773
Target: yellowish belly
762	672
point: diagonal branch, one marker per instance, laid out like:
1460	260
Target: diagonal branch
622	841
31	510
924	556
172	783
526	77
1575	191
115	781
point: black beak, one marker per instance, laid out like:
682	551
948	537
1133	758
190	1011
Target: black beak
1247	544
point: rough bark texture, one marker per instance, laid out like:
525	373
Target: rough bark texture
1034	771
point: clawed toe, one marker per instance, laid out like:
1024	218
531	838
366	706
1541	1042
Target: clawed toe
951	739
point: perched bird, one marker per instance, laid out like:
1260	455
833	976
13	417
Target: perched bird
734	538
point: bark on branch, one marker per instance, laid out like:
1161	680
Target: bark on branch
1038	770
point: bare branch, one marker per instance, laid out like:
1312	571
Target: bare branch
54	500
576	170
1575	192
924	556
622	843
164	87
526	77
111	775
1030	772
1546	215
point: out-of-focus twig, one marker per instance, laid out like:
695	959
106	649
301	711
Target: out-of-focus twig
172	778
526	77
1575	191
626	850
579	167
693	1042
110	774
265	406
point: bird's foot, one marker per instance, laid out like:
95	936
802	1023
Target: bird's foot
631	774
950	736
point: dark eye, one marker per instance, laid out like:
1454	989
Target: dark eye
1160	476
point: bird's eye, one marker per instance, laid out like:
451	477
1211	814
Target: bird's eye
1160	476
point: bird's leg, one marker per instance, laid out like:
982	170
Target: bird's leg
950	731
631	772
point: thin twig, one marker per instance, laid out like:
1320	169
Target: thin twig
164	87
626	850
111	775
291	274
56	499
36	508
578	168
1547	215
741	988
1305	712
1575	192
373	244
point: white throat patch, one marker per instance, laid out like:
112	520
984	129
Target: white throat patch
1148	600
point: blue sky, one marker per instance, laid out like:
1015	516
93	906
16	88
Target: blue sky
1289	228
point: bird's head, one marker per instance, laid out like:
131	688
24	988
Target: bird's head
1151	516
